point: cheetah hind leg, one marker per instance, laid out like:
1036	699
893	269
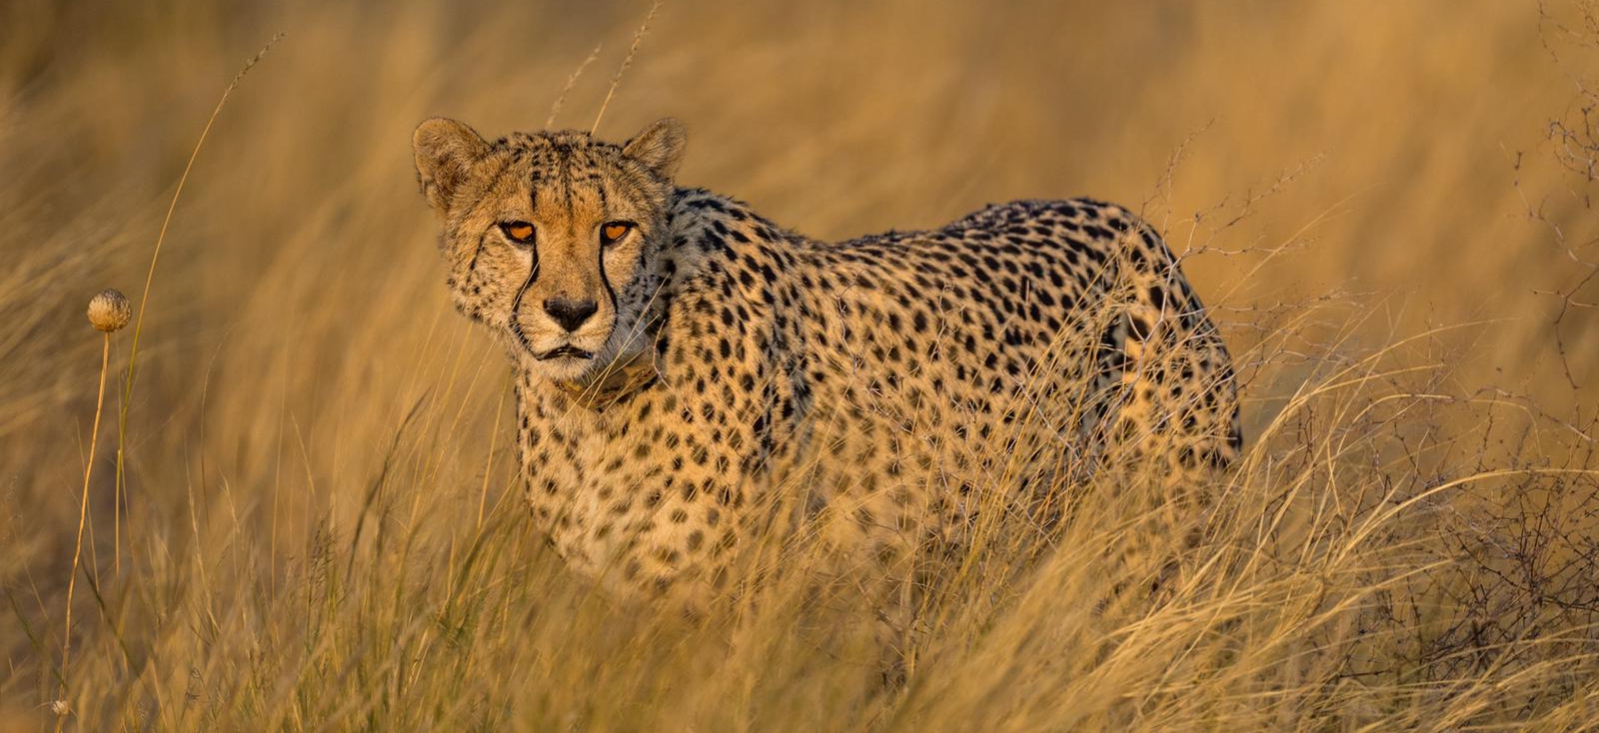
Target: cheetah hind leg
1173	431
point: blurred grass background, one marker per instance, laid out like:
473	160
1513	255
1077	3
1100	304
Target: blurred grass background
302	372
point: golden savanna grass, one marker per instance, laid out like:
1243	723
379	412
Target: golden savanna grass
301	516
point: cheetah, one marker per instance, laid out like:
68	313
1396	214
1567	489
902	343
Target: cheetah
689	375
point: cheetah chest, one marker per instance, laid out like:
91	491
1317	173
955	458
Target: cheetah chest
628	490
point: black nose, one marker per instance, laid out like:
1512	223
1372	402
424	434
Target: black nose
570	313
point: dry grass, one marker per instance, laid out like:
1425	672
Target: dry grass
1387	204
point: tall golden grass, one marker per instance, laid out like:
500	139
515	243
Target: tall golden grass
313	527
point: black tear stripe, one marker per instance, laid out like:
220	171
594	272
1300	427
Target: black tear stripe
516	303
605	280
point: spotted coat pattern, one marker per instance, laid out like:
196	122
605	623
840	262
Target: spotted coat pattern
877	392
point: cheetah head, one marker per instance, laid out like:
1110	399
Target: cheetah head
551	237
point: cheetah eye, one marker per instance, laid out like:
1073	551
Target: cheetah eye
520	232
613	231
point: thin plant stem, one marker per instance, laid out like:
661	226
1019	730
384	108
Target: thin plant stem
83	517
638	38
149	278
571	81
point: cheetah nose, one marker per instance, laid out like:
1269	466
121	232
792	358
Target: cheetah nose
570	314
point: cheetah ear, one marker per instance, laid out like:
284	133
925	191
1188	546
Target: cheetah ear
659	147
445	152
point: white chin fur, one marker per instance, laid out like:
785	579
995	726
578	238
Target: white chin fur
562	369
559	369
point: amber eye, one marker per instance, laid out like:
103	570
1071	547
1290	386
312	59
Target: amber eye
614	231
520	232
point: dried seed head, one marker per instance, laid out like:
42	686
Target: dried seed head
109	310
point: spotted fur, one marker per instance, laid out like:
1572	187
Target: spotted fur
746	379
